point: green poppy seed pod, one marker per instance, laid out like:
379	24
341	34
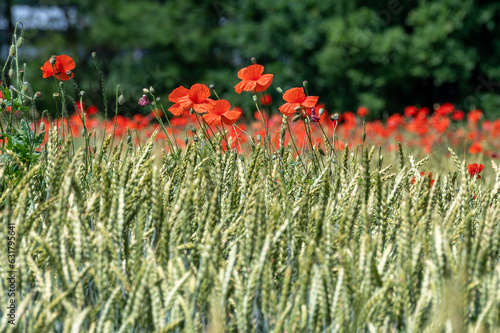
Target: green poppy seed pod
363	137
278	89
255	98
321	111
94	148
305	84
53	59
145	90
55	96
11	73
259	137
12	51
211	86
191	111
129	139
83	132
158	99
94	55
20	42
193	129
25	88
298	108
254	61
82	93
61	83
68	73
186	140
321	151
297	117
151	90
334	117
121	100
42	127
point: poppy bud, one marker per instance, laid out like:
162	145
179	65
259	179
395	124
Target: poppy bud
55	95
129	139
20	41
158	99
321	151
193	129
334	117
305	84
259	137
151	90
314	116
145	90
38	94
42	127
82	93
278	89
94	55
254	98
321	111
25	88
191	111
68	73
12	51
363	135
121	100
212	86
53	59
11	73
254	61
298	108
295	118
186	140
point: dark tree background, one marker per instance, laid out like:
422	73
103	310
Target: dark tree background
384	55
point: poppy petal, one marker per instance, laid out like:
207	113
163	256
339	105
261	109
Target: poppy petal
245	86
310	101
212	119
176	109
177	93
66	61
204	106
253	72
185	102
294	95
264	82
230	117
199	92
288	109
220	107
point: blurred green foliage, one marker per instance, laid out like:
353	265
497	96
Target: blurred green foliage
384	55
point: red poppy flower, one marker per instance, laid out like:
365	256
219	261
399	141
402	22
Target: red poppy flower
266	99
422	174
295	98
362	111
458	115
221	113
92	110
445	109
475	169
410	111
475	148
174	97
197	98
63	64
474	115
253	79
